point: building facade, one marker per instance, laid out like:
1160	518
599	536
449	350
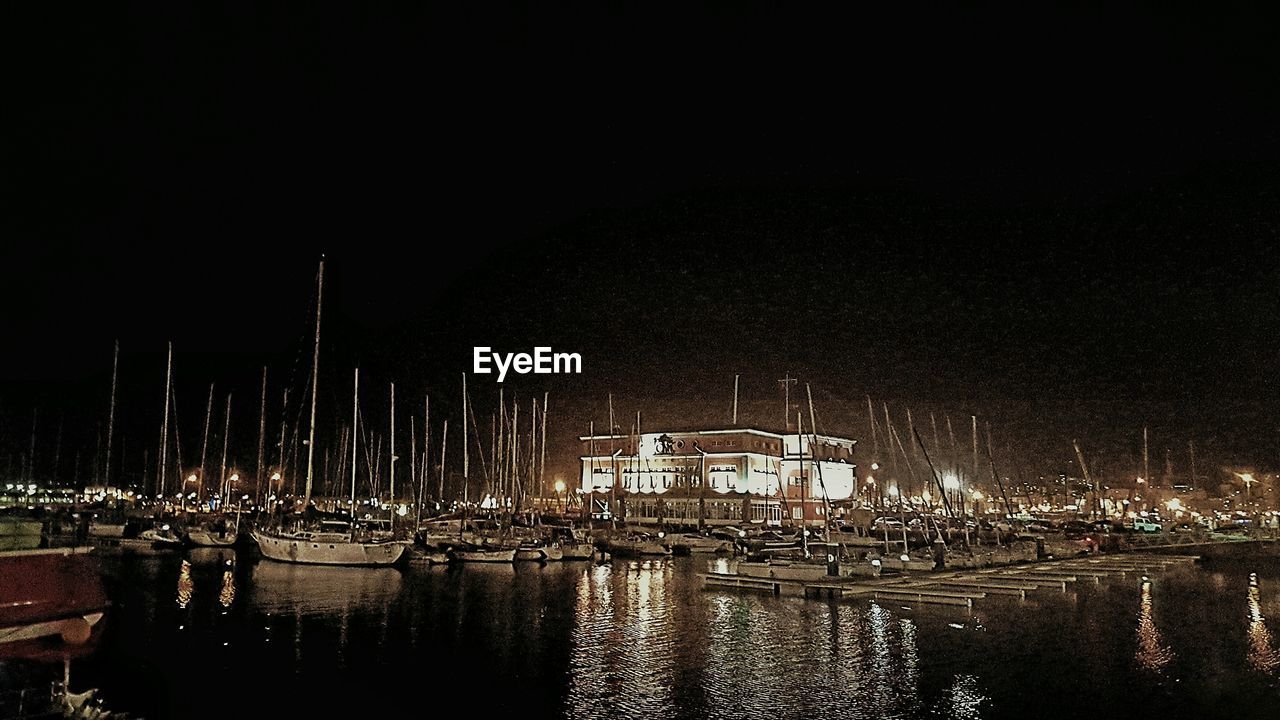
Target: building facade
716	477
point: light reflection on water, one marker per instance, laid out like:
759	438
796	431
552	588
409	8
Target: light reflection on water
1262	654
747	655
1152	654
185	585
228	593
642	639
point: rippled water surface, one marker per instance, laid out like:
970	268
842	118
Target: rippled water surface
208	639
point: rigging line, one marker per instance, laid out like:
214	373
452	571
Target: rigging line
942	492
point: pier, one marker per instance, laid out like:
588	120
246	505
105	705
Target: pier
946	587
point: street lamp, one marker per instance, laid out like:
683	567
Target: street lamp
560	488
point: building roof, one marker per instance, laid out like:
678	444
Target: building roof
729	431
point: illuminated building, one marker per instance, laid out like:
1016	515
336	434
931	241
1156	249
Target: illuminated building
726	477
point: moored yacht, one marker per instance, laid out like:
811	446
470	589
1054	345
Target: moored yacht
327	546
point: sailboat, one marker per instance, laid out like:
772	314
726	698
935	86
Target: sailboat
469	552
333	543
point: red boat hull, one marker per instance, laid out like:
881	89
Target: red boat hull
46	593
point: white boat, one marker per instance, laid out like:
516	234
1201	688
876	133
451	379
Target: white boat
161	537
530	553
327	548
483	555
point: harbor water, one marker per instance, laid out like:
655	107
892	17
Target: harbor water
642	639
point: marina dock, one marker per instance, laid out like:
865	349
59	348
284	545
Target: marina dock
948	587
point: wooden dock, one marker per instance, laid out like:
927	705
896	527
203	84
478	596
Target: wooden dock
951	587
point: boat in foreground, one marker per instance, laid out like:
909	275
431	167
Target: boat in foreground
60	594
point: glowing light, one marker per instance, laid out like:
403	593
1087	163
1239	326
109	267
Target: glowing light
951	482
1174	505
1152	654
185	584
893	491
559	486
875	466
275	476
191	477
977	495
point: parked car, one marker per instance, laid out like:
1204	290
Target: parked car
1041	526
1146	525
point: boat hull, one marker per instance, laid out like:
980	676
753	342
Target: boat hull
303	551
531	554
639	549
483	556
60	594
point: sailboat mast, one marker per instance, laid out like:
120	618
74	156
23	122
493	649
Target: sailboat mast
315	375
262	435
204	444
355	440
513	449
164	432
111	415
500	456
284	411
466	459
413	459
426	456
542	472
392	470
444	446
226	433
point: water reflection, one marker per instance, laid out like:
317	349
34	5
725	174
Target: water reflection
622	660
318	589
185	585
1262	655
1152	654
966	699
228	593
627	640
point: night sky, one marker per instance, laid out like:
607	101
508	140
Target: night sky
1061	220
